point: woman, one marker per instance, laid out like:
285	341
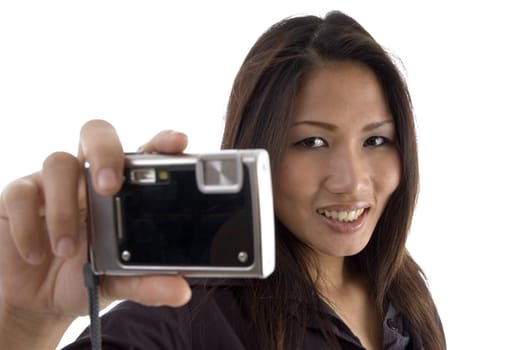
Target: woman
335	115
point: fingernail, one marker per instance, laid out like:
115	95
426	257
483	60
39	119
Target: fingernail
65	247
106	179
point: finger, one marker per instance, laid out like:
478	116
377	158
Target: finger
60	181
100	146
172	290
20	206
166	141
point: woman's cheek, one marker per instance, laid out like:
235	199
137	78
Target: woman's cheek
391	173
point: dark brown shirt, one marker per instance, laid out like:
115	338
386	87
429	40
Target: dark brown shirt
218	320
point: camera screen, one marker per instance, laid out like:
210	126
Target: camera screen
166	220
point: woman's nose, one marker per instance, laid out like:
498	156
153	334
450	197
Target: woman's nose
348	173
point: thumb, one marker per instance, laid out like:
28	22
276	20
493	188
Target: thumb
156	290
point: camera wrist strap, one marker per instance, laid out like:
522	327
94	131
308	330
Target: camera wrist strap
91	281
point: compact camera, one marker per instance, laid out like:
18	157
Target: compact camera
201	215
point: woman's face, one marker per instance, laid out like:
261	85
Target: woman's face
340	165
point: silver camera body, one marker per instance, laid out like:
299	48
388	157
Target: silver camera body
201	215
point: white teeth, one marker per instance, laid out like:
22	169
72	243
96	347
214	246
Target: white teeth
345	215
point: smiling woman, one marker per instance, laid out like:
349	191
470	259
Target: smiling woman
346	143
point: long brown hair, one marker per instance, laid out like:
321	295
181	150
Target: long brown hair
259	114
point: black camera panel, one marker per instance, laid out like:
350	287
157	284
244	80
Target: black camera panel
171	222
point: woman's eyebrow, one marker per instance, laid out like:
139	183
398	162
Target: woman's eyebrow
369	127
316	123
376	125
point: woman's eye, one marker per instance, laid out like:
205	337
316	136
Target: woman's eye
375	141
311	142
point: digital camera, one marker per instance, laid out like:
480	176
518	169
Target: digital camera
201	215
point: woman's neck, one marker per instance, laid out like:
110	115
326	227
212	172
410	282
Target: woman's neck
331	273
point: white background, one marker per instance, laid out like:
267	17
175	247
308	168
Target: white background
152	65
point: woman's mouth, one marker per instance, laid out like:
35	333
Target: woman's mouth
344	221
342	215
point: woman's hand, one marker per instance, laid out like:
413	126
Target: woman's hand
43	241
